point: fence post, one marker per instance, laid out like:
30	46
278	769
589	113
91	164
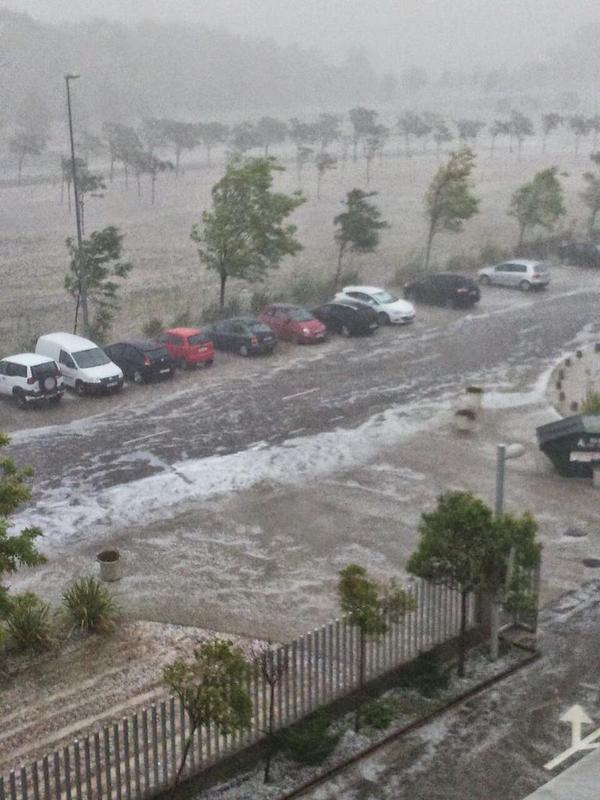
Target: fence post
136	754
2	795
46	777
98	767
163	742
173	737
88	768
117	749
23	783
126	757
12	785
77	760
57	786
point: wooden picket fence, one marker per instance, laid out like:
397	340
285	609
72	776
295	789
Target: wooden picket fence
139	755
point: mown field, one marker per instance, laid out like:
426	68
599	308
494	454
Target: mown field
168	279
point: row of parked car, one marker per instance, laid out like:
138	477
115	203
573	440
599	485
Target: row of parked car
66	360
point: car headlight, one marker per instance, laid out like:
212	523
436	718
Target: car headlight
305	331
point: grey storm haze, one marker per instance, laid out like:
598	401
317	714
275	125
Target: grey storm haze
434	34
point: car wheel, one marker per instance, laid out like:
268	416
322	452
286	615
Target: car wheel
79	388
244	350
20	399
345	331
382	318
208	364
524	286
485	280
137	376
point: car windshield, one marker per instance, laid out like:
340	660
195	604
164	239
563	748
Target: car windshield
198	338
41	371
259	327
156	352
384	297
90	358
300	315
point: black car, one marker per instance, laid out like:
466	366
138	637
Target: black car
243	335
580	254
142	360
444	289
347	317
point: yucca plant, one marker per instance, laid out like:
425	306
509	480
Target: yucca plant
90	606
28	623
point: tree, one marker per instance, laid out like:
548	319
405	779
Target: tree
88	183
146	163
453	543
244	235
154	133
520	127
272	663
16	550
123	145
539	202
581	127
327	128
303	156
26	143
213	691
550	122
362	120
212	134
499	127
371	608
269	131
373	144
357	228
441	135
449	201
101	260
183	136
410	124
591	194
323	162
469	129
243	137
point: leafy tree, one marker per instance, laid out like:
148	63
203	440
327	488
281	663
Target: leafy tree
243	137
183	136
580	126
469	129
146	163
100	264
323	162
303	133
88	184
123	145
550	122
362	120
212	134
154	133
327	128
303	156
357	227
245	235
270	131
539	202
499	127
520	127
26	143
212	689
374	144
591	194
454	541
413	125
16	550
449	201
441	135
371	608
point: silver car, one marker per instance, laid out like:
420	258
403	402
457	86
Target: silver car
518	273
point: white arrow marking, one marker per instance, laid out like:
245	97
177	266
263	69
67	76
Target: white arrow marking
584	744
577	717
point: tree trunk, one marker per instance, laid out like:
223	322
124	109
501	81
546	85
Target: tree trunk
407	145
338	270
354	146
522	228
112	168
177	157
430	236
208	161
592	222
69	196
319	177
223	277
270	727
138	183
20	167
126	174
81	213
153	184
184	756
494	626
368	171
462	644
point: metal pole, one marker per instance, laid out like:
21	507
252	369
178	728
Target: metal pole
500	461
82	276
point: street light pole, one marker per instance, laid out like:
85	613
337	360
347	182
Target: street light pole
82	296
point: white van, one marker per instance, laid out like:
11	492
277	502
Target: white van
85	367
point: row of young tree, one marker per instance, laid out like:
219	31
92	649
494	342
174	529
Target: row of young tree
134	148
247	233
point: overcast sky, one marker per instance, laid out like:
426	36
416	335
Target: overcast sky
431	33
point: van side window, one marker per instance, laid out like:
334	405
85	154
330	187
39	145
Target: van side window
3	366
65	358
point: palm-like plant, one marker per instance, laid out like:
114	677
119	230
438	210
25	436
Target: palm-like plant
90	606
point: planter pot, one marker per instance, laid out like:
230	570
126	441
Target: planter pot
110	565
474	397
464	420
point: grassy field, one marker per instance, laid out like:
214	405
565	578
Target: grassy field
168	280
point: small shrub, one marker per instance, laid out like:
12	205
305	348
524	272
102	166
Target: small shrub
308	289
309	742
492	253
90	606
461	263
427	674
378	714
153	328
182	320
28	623
350	277
212	311
258	300
591	404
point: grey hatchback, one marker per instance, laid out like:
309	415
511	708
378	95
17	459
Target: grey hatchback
518	273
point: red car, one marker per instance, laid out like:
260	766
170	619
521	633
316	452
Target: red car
189	347
293	323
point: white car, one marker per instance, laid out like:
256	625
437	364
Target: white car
518	273
31	378
388	307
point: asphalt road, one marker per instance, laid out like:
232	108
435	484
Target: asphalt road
97	443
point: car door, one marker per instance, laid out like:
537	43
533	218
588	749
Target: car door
239	336
4	389
67	367
502	274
